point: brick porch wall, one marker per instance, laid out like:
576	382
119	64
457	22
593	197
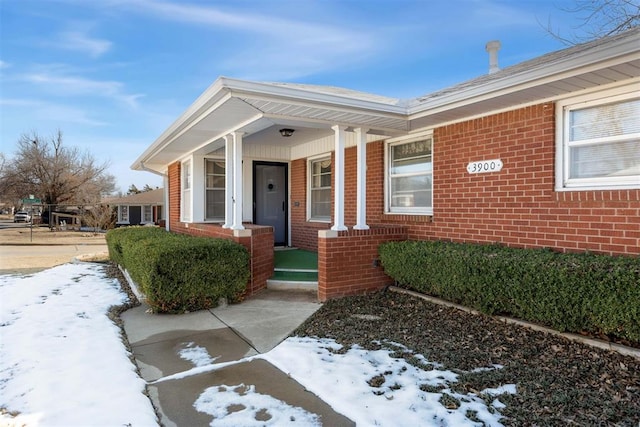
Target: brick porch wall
346	260
256	238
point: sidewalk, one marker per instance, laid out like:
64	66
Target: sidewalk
226	335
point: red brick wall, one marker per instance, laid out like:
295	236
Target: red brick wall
259	242
519	206
346	262
304	235
173	213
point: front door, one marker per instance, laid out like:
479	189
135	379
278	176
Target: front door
135	215
270	195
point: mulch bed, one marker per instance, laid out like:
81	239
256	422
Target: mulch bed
558	381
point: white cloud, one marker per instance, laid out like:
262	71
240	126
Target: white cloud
493	14
44	111
4	64
279	47
79	41
80	86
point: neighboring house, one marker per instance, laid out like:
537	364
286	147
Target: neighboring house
139	209
545	153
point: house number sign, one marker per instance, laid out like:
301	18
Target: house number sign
485	166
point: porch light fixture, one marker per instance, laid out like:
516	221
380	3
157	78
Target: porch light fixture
286	132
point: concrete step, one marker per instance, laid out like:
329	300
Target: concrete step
292	285
295	275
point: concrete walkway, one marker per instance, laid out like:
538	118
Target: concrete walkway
228	334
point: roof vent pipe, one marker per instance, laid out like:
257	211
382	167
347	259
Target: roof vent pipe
493	47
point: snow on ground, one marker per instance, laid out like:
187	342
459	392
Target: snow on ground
63	363
373	388
251	408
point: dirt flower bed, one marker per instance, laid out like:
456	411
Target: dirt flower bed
558	382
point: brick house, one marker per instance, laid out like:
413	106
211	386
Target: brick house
545	153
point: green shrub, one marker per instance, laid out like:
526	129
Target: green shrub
598	294
178	273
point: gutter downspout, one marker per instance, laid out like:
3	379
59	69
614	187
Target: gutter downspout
165	185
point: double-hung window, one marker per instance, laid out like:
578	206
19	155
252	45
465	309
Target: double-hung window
409	177
319	189
186	191
124	213
147	214
214	189
598	143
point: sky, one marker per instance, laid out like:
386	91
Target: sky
112	75
63	363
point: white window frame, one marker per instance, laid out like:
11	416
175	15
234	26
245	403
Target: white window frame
427	136
310	162
147	214
563	110
186	182
206	189
123	214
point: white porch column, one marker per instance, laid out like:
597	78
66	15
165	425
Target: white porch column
361	179
197	188
228	181
237	181
338	203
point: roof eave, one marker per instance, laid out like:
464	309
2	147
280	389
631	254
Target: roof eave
215	91
600	56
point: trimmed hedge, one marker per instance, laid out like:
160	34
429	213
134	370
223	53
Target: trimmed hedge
584	292
179	273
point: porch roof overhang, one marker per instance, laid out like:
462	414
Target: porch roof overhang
260	109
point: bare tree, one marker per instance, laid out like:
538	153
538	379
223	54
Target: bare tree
100	217
54	173
599	18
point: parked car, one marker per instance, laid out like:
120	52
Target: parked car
22	216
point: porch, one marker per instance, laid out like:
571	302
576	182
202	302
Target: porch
346	262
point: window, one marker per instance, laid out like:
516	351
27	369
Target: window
409	177
147	214
124	213
186	191
319	189
214	191
598	143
